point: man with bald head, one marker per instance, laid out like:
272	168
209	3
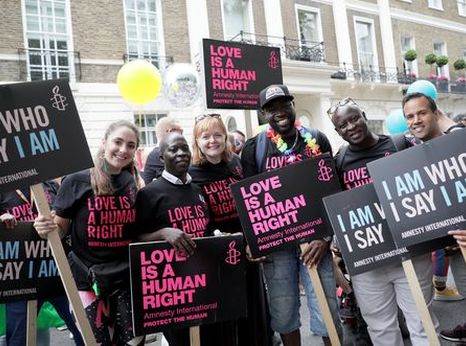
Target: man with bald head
153	167
380	290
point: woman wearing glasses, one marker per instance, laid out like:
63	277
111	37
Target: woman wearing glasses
214	168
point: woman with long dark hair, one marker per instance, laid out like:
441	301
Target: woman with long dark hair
97	207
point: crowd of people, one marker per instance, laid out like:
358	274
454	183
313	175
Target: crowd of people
177	174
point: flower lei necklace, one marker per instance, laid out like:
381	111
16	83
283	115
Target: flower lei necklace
312	148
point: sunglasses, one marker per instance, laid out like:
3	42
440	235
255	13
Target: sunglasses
346	101
205	116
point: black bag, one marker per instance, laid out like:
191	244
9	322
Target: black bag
104	278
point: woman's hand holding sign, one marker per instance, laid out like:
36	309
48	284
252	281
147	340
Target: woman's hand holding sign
9	220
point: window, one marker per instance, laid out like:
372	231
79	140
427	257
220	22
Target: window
375	126
436	4
462	7
144	30
407	43
440	48
231	124
146	124
464	53
237	17
47	39
365	42
310	33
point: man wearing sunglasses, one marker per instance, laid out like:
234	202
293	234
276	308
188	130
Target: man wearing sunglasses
378	291
283	143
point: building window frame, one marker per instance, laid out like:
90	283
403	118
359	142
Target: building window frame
250	22
461	8
146	123
371	22
444	70
435	4
411	65
147	47
49	53
320	36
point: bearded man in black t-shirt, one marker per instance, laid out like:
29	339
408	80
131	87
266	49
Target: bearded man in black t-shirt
286	142
378	290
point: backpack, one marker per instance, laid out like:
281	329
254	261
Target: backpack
261	146
399	140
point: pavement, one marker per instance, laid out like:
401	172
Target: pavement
449	314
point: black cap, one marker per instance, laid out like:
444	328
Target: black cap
273	92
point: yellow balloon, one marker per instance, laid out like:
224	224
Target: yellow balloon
139	82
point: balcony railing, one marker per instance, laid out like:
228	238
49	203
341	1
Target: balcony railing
293	49
368	74
44	64
159	61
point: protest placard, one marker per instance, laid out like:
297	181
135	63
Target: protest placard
363	236
41	134
283	207
42	138
423	189
171	291
27	268
235	73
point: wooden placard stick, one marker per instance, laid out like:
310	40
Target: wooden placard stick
194	336
463	251
324	309
420	303
64	269
31	318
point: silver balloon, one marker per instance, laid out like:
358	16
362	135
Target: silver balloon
181	85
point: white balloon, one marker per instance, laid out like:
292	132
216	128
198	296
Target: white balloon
181	85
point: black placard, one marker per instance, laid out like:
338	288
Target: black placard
170	291
235	73
283	207
363	236
27	268
41	136
423	189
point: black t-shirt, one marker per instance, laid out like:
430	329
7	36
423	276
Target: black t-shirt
215	180
163	204
274	158
101	226
353	170
154	167
19	204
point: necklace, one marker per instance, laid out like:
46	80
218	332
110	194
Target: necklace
312	148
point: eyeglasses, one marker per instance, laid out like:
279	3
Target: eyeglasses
346	101
204	116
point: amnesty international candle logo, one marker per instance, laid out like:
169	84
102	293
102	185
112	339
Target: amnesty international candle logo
325	172
233	255
273	62
59	101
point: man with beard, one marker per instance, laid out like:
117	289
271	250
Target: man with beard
379	291
286	142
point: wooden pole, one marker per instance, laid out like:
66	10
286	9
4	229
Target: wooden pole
420	303
31	318
324	309
64	269
463	251
195	336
